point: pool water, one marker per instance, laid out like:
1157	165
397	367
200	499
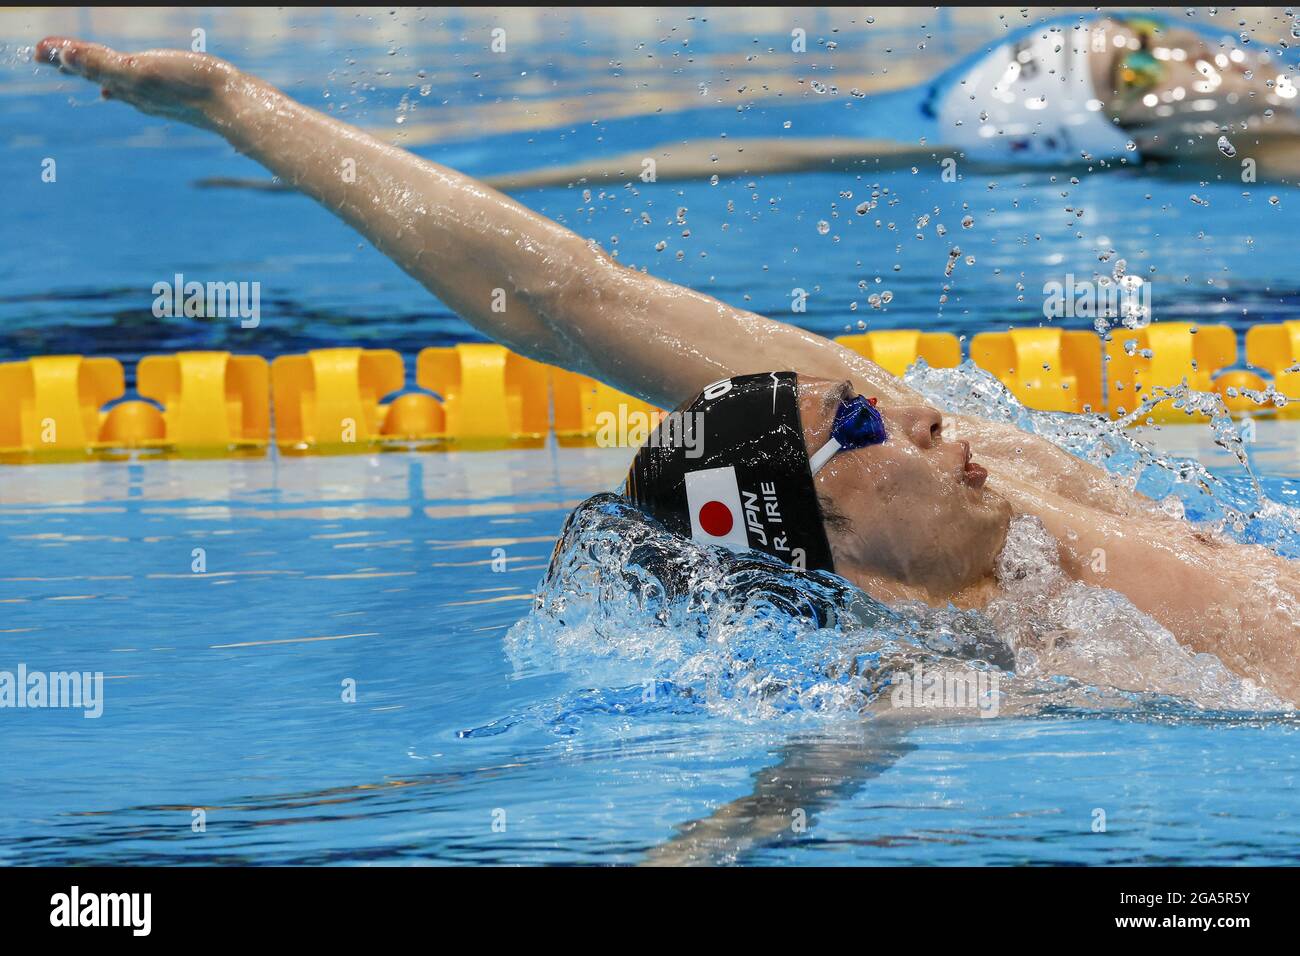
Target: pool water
224	691
316	660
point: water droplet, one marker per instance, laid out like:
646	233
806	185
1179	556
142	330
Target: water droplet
1226	148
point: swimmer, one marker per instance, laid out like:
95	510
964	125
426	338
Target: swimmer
874	483
1063	93
1111	90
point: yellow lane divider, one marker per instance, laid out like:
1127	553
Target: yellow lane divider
56	407
1276	349
1048	369
1164	355
53	402
895	350
488	392
210	400
331	397
581	406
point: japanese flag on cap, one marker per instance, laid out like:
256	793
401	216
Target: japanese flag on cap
750	447
713	499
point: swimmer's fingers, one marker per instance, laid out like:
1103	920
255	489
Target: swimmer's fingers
171	83
94	61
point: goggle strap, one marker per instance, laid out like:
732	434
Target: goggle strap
823	455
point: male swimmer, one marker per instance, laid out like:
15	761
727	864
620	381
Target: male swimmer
856	466
1073	91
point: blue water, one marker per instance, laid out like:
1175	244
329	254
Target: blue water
225	689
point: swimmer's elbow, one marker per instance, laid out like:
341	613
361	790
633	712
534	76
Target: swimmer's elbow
580	289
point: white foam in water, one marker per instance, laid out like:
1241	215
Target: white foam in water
969	390
1058	626
639	621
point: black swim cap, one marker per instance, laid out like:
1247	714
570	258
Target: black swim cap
731	468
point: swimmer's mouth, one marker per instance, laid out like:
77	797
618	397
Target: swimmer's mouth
972	474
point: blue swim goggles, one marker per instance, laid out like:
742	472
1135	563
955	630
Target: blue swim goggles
857	424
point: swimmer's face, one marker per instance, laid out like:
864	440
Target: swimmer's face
914	508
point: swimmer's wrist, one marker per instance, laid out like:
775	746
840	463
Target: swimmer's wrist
235	102
228	95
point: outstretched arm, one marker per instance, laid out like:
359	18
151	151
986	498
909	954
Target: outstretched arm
566	301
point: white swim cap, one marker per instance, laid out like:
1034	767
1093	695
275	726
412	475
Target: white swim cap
1031	99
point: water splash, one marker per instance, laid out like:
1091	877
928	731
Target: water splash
1063	627
1183	485
636	622
627	605
641	623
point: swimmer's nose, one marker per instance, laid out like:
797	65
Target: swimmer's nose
922	423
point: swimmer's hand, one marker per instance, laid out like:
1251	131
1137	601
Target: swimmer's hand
172	83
